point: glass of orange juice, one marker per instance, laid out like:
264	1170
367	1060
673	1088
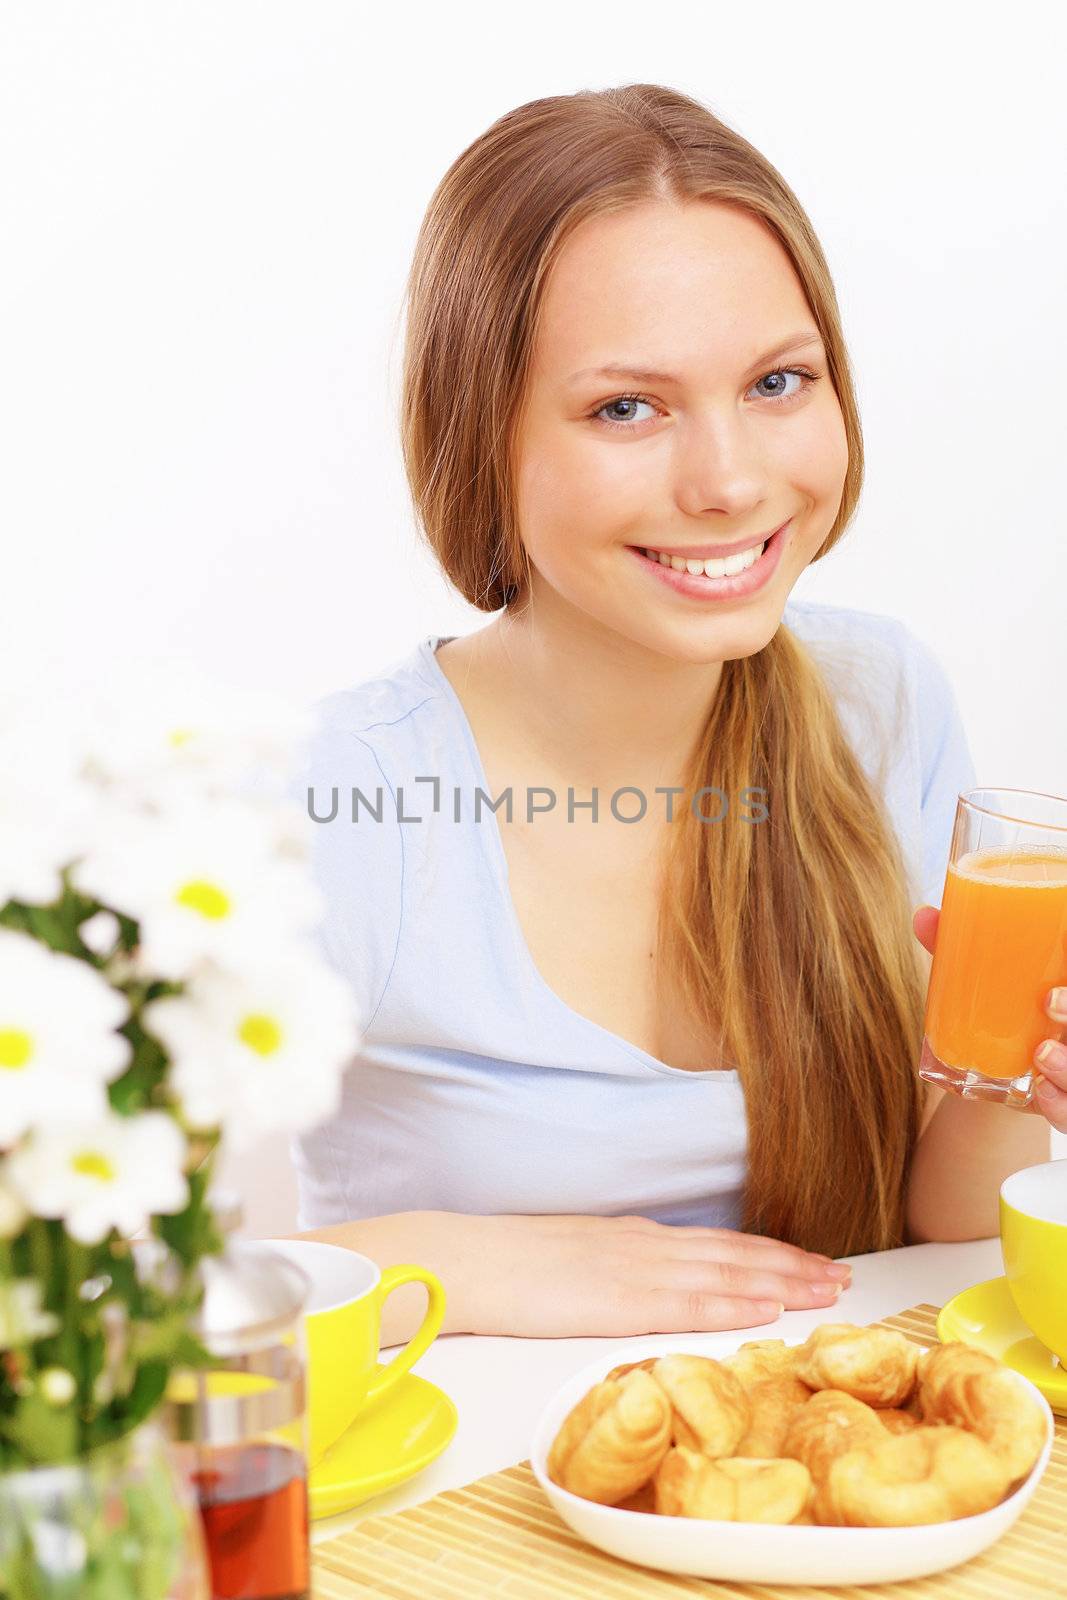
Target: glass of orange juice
1001	944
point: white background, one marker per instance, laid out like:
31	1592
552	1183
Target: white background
209	210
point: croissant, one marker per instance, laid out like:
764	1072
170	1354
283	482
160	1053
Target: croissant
761	1358
829	1425
895	1420
633	1366
944	1361
688	1484
876	1365
988	1403
613	1440
644	1499
913	1405
930	1474
774	1402
769	1490
711	1408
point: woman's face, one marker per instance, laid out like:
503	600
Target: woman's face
722	447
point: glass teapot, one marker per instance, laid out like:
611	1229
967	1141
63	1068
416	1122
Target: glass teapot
239	1425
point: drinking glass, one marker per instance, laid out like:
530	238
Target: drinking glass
1001	944
239	1424
117	1523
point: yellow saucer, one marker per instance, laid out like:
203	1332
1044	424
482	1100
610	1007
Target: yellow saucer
392	1440
985	1316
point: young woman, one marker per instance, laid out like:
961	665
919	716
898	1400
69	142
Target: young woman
641	1043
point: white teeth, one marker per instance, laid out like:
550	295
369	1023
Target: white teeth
727	568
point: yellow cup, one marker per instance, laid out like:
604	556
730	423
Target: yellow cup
1033	1243
343	1323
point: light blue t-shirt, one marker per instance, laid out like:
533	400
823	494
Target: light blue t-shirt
475	1087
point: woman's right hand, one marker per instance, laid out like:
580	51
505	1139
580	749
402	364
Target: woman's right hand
576	1276
572	1276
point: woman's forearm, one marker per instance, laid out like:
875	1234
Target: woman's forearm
967	1150
424	1238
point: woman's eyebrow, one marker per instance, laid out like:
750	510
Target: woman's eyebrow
616	369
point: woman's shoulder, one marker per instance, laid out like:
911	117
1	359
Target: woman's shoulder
877	671
385	699
868	652
368	742
898	701
816	621
392	726
861	636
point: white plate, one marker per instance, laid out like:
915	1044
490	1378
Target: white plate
753	1552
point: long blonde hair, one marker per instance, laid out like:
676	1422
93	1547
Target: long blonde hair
792	940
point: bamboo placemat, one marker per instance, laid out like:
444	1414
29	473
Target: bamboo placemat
500	1539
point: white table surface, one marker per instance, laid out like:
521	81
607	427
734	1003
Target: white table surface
500	1386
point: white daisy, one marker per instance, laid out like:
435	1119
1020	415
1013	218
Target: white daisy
176	725
47	811
58	1045
288	826
116	1172
259	1051
205	883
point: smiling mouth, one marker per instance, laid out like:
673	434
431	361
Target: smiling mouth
730	565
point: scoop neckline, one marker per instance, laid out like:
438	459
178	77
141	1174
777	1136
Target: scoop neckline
499	866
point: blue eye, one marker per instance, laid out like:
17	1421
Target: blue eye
808	380
789	372
622	400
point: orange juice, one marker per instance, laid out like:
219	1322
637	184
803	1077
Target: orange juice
1001	945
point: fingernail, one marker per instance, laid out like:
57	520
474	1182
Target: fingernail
1047	1051
770	1308
1045	1090
838	1269
1057	1002
827	1288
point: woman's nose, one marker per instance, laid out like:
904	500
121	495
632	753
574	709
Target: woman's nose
720	468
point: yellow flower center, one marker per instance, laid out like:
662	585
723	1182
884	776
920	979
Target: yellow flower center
207	899
261	1034
16	1048
91	1164
180	736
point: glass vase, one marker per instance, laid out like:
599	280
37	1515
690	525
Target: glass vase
117	1524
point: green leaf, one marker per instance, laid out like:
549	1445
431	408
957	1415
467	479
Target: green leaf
39	1431
147	1392
159	1340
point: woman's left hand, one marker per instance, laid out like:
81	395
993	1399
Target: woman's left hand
1050	1072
